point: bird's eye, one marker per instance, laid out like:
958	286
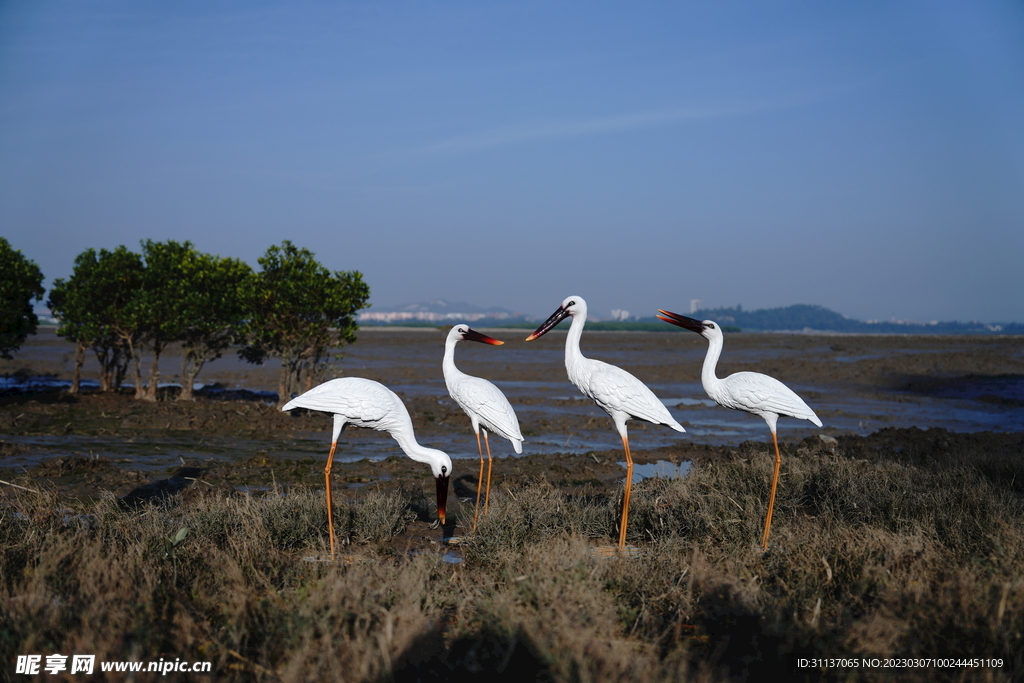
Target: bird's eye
572	303
444	470
711	326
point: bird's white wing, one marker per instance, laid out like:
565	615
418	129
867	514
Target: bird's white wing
614	389
756	393
477	395
362	402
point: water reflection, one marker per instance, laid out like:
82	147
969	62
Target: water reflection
662	468
959	404
452	557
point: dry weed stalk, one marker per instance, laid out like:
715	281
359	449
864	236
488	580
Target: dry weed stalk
877	551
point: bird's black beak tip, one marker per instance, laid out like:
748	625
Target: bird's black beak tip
681	321
441	483
558	316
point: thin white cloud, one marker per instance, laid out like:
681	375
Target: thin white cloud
533	131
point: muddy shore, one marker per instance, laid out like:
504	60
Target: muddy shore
94	444
897	530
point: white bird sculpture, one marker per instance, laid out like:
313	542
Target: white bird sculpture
619	393
365	403
486	406
751	392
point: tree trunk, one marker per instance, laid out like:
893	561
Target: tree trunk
136	361
76	376
106	368
119	369
284	393
191	363
113	360
188	379
154	375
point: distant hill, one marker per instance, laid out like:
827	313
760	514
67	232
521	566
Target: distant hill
804	317
796	318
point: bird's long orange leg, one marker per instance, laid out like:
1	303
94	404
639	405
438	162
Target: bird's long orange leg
479	479
626	494
330	504
771	497
487	499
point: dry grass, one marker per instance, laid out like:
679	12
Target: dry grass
877	553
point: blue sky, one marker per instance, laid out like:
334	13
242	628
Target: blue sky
868	157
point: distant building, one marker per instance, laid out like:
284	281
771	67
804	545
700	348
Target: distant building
620	315
427	316
436	311
694	305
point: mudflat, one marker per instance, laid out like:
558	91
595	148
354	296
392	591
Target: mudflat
197	530
93	443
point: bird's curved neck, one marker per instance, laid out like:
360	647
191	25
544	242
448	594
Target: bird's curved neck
448	365
437	460
573	356
708	376
407	440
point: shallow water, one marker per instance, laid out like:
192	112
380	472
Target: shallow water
662	468
842	412
954	408
848	381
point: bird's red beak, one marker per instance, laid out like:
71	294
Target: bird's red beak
556	317
473	335
682	321
442	496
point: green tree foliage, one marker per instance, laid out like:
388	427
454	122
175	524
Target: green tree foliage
21	281
213	314
68	302
121	304
96	310
160	306
190	297
298	311
119	284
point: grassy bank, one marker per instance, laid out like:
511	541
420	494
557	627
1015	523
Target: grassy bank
877	551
